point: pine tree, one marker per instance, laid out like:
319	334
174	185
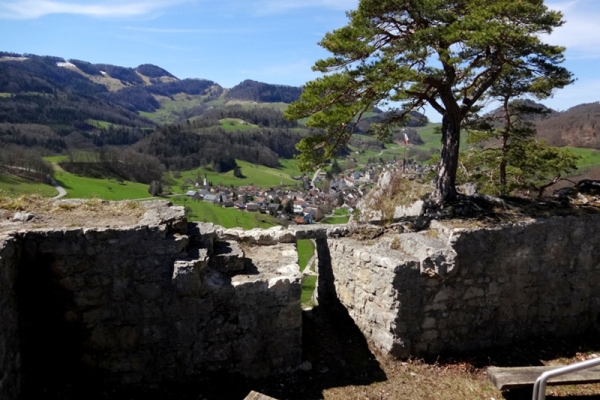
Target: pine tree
441	53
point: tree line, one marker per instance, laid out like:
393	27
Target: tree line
119	164
26	163
263	117
181	148
264	92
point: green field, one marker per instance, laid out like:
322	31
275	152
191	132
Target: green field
102	124
226	217
588	157
170	108
309	282
256	175
56	159
340	216
15	186
306	249
432	140
236	124
252	104
79	187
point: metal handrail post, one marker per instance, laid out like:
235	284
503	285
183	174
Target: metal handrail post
539	388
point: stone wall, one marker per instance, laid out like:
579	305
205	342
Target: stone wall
143	304
452	290
10	355
168	301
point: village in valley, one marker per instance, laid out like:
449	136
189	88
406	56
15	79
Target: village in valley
312	200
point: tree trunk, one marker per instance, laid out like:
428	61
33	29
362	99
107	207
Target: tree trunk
445	189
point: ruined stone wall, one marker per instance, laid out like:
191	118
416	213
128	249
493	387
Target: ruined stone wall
10	355
166	301
145	304
452	289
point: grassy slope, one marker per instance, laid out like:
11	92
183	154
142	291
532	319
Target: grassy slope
309	283
15	186
589	157
431	139
171	107
236	124
226	217
82	187
306	249
103	124
254	174
56	159
340	216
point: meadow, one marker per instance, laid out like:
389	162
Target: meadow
80	187
340	216
227	217
15	186
255	175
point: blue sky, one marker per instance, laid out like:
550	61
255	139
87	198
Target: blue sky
228	41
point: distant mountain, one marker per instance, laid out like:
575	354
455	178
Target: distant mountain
56	105
578	126
264	92
83	104
498	114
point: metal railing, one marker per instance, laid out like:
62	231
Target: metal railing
539	389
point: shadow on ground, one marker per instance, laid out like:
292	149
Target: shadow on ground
335	348
534	352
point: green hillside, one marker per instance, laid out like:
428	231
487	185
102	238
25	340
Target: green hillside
79	187
16	186
256	175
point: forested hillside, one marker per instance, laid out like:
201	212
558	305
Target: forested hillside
263	92
186	147
578	126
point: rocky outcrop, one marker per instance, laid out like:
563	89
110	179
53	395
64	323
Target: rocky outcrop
382	203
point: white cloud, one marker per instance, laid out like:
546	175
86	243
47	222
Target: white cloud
581	32
281	6
30	9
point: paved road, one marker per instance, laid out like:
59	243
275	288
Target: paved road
315	177
61	190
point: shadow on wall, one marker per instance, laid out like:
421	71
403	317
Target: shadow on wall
335	352
51	342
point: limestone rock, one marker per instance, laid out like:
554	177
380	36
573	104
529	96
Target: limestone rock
433	254
23	216
162	212
227	257
413	210
258	396
369	205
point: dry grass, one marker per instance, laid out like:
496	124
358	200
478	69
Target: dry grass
60	213
416	379
399	192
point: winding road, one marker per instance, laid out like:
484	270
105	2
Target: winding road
61	190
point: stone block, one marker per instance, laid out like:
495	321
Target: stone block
228	258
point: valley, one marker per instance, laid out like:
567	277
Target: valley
109	131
